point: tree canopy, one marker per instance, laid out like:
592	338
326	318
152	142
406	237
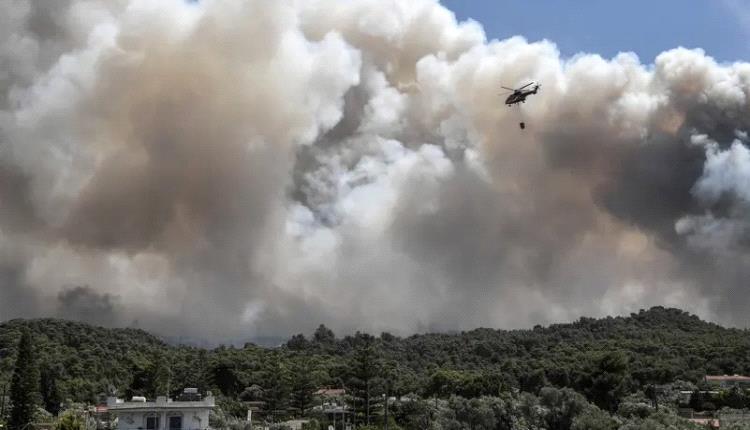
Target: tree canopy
599	361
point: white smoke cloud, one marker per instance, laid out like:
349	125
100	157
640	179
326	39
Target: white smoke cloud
725	171
231	168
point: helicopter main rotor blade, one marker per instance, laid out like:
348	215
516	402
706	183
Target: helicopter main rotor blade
509	89
525	85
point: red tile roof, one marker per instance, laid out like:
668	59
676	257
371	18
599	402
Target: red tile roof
735	378
331	392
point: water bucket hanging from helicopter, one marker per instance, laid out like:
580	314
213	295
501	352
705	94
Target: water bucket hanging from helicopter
518	96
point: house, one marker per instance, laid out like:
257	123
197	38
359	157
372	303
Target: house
730	417
295	424
728	381
684	396
330	398
100	416
332	403
190	412
711	423
330	392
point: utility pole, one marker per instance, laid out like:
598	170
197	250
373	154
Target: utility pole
367	407
387	394
385	424
2	402
250	417
343	407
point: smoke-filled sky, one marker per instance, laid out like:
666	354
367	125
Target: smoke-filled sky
230	168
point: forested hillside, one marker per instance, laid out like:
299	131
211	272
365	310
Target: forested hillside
603	359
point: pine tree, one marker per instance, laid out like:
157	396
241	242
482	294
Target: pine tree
277	392
202	375
324	335
24	388
365	377
303	384
51	396
162	377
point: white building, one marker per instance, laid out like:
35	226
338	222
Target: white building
164	413
729	381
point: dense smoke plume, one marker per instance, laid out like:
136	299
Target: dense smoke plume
233	168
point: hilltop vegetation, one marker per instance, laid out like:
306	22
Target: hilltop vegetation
604	361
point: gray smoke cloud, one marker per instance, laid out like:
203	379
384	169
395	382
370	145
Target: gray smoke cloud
82	303
231	168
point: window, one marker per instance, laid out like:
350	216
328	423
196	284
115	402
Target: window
175	423
152	423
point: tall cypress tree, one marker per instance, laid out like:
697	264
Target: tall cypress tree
162	378
24	387
364	377
276	393
50	392
303	384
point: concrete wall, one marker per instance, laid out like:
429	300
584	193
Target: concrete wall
133	415
191	419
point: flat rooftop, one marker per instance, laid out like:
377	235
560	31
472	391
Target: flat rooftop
114	404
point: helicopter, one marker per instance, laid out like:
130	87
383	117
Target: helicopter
519	95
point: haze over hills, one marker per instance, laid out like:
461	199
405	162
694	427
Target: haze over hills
660	345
